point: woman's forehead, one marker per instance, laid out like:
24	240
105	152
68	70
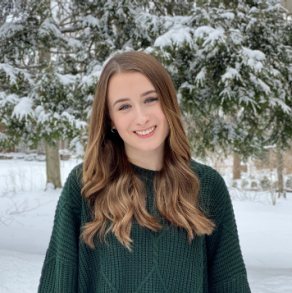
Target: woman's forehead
128	83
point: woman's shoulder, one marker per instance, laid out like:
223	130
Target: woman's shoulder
76	174
71	193
202	170
213	193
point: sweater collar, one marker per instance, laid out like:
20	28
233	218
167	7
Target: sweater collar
145	173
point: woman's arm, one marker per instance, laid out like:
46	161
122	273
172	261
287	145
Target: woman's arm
226	268
60	268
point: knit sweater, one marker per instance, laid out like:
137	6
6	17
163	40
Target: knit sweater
160	262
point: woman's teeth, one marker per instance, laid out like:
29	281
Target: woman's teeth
145	132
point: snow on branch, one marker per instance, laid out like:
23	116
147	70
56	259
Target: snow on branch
12	72
231	73
49	26
260	83
12	99
187	85
147	21
201	76
66	79
23	108
276	7
252	58
73	121
175	36
275	101
43	117
210	34
91	21
236	36
9	29
228	15
3	136
253	54
74	43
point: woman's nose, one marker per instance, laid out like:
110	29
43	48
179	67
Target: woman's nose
142	117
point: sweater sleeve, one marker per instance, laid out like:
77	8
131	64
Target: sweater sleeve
226	268
59	272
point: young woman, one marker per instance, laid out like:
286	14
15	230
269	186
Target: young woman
139	215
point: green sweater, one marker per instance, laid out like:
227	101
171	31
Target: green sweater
162	261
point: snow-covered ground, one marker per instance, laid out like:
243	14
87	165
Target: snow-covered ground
264	230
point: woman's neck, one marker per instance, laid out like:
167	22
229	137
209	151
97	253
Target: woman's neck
149	160
147	163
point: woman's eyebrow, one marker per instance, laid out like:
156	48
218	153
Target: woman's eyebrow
147	93
127	99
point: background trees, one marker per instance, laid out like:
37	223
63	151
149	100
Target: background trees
230	62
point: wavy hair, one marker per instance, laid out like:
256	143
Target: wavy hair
112	190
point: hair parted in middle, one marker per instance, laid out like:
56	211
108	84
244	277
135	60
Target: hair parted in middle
112	190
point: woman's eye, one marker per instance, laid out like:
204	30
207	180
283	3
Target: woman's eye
122	108
154	99
150	99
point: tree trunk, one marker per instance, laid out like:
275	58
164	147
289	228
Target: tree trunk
280	168
236	166
53	166
52	154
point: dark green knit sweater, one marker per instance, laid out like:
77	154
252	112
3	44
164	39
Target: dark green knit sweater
162	261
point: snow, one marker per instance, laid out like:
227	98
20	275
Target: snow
91	21
201	76
177	36
42	115
231	73
228	15
48	26
147	20
236	36
3	136
23	108
275	101
253	54
264	230
72	120
212	34
259	82
74	43
187	85
12	98
8	29
277	7
66	79
12	72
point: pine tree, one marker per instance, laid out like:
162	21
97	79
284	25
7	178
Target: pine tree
51	57
230	64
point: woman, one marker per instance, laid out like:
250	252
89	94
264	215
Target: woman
139	215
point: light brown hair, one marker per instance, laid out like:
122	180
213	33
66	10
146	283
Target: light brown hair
112	190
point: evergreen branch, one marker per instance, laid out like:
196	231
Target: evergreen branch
70	29
18	34
158	7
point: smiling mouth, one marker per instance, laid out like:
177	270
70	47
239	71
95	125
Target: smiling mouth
145	132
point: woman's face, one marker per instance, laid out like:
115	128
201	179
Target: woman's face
134	106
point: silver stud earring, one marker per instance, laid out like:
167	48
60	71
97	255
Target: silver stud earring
112	130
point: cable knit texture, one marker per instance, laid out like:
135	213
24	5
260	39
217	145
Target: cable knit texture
162	261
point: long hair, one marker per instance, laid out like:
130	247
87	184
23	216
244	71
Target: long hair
112	190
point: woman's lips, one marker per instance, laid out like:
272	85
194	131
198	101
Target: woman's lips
147	135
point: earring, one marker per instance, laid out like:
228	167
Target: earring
112	130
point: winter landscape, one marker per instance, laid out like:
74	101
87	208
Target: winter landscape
27	213
231	65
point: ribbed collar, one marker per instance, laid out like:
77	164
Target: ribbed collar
145	173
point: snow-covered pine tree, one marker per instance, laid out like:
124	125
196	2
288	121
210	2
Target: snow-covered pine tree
30	39
231	93
52	54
